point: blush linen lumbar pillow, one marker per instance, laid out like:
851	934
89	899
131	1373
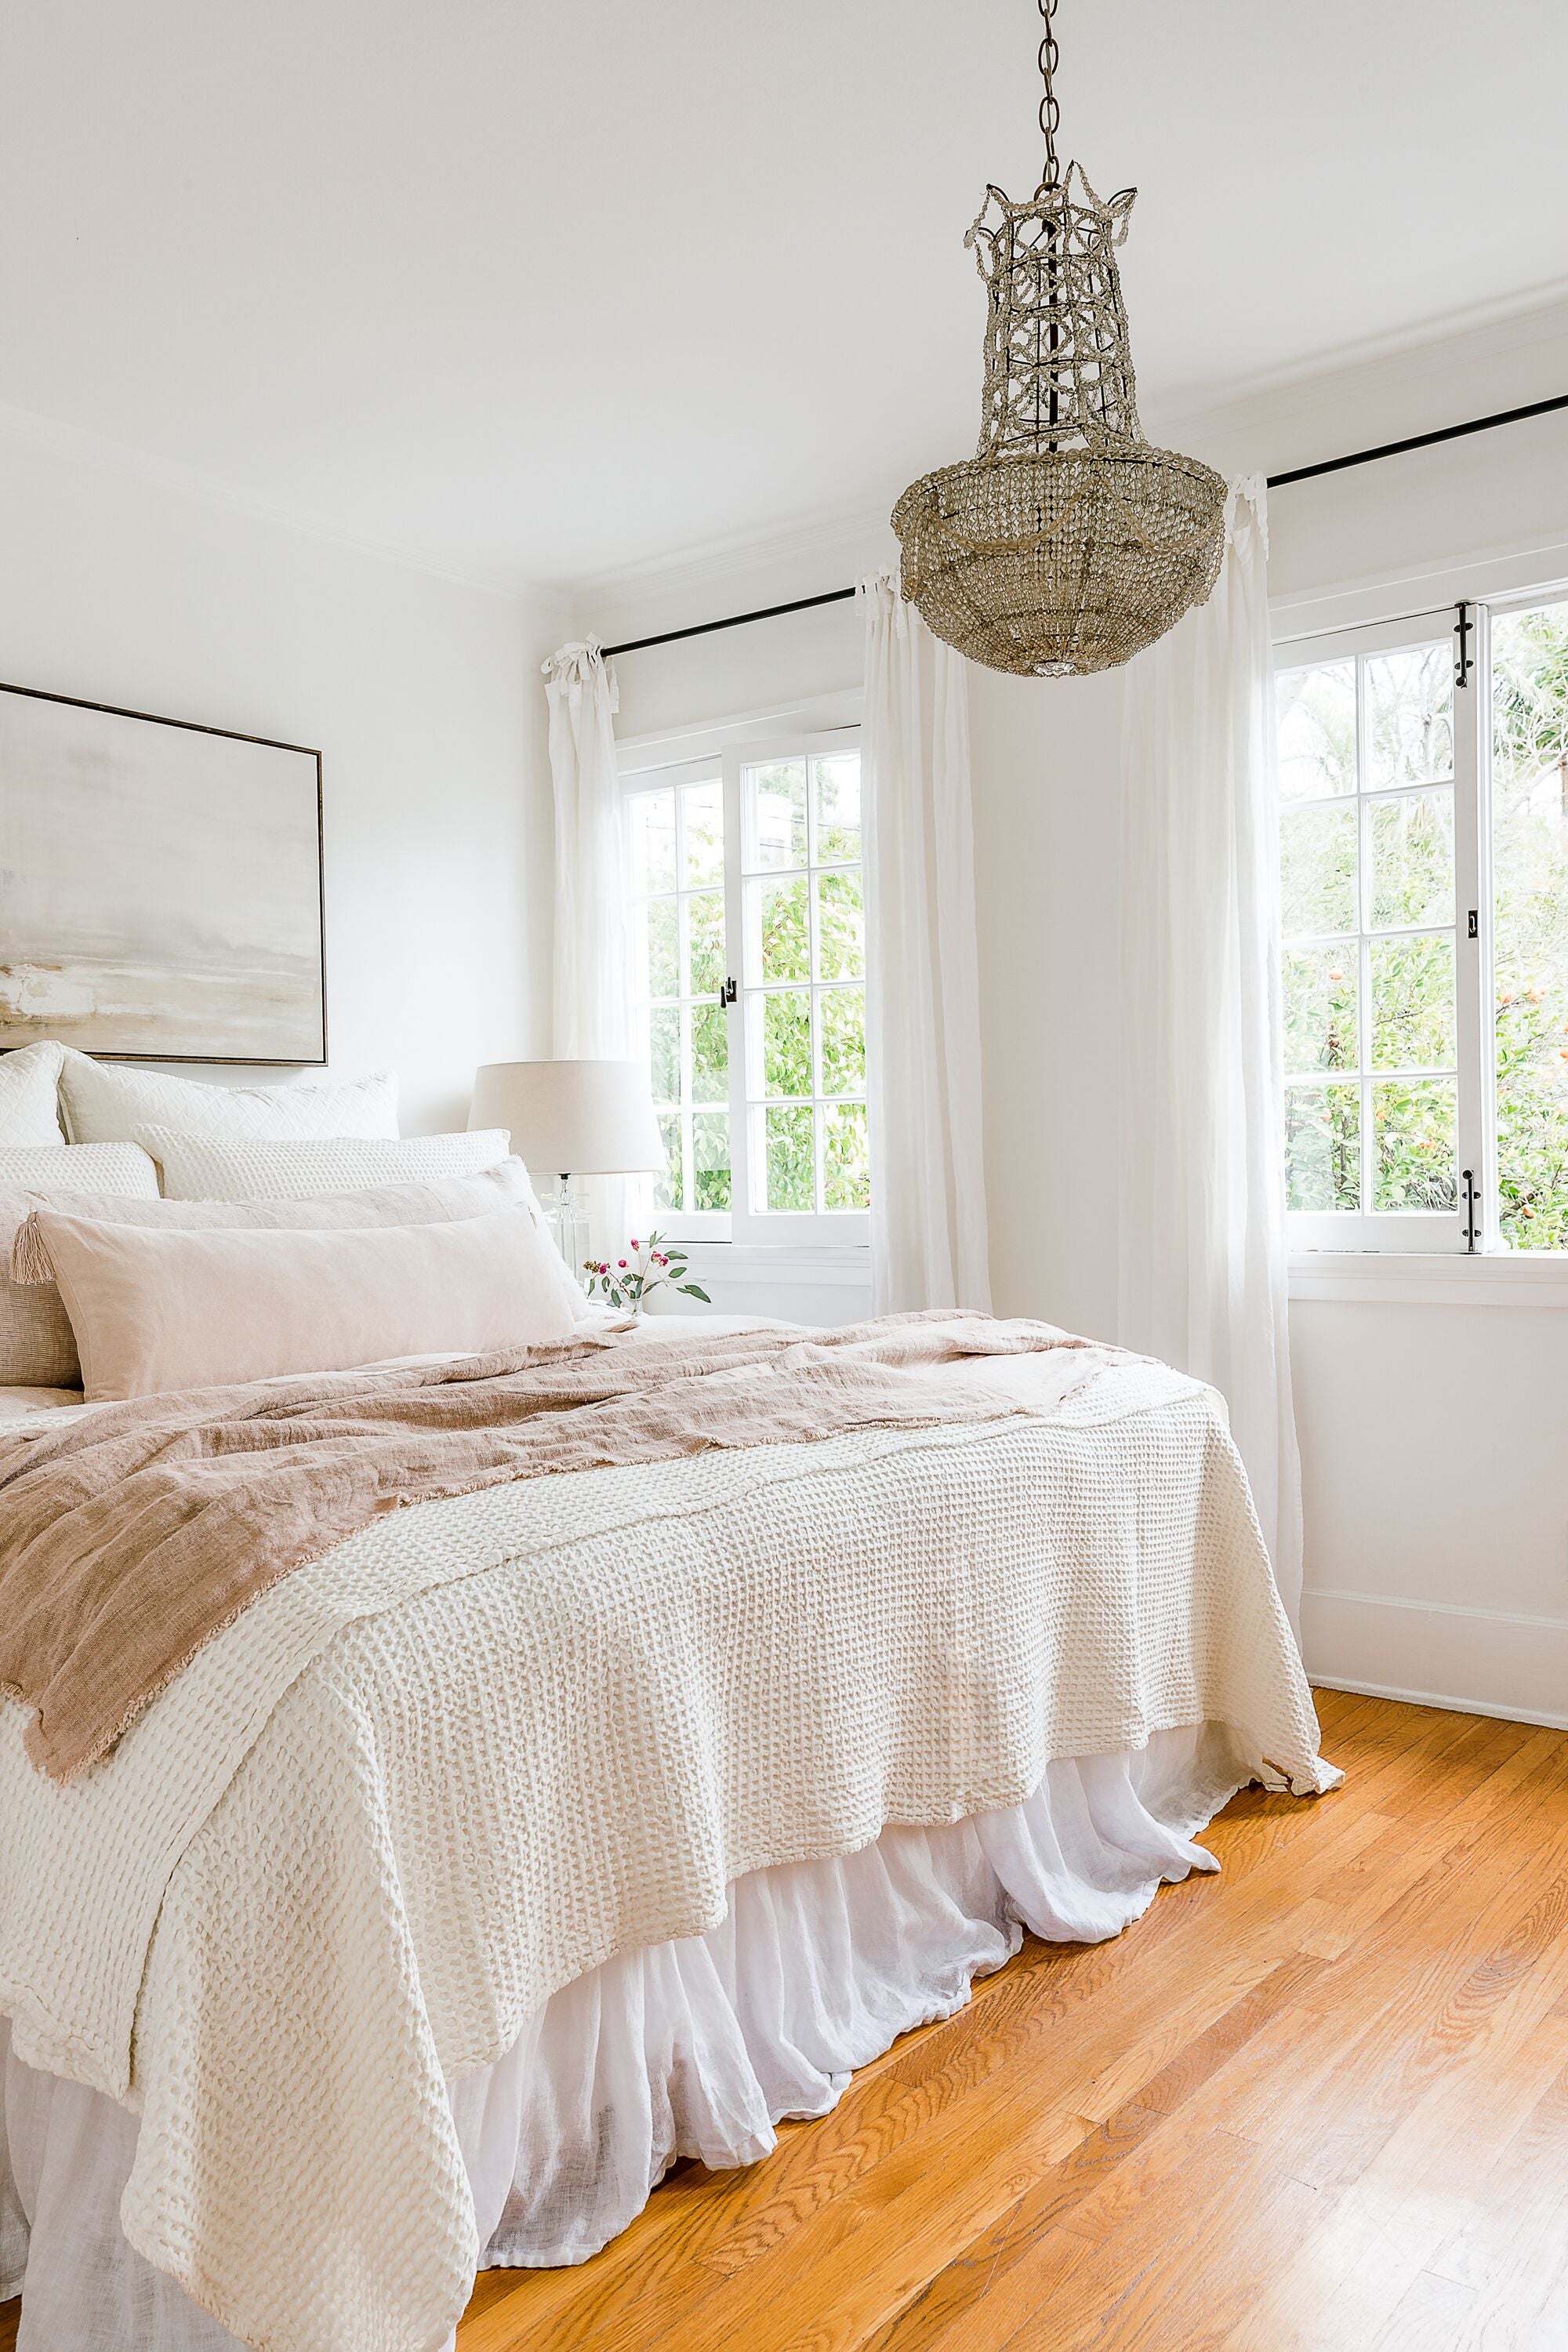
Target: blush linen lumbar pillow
31	1293
104	1104
37	1350
194	1169
156	1310
29	1094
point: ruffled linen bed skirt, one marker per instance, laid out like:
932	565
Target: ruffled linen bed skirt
694	2048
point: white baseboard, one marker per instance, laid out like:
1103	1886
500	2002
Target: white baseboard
1434	1654
1441	1699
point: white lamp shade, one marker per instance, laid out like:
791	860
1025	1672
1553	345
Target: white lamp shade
571	1119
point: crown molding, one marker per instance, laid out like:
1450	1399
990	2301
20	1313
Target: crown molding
1499	330
859	534
30	429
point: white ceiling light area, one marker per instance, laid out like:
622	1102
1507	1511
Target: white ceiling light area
526	292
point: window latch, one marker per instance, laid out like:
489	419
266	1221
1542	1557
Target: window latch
1464	630
1473	928
728	992
1469	1228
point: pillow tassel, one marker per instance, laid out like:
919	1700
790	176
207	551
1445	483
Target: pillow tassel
31	1260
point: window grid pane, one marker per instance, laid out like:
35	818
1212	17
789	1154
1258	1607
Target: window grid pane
1367	871
1527	1020
803	977
677	875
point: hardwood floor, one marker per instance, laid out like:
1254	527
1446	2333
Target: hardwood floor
1317	2104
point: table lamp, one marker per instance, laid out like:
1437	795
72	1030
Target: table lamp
567	1120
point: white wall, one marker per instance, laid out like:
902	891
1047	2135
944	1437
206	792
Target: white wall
1045	848
1436	1496
421	695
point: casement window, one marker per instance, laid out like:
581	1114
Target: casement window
1423	866
750	943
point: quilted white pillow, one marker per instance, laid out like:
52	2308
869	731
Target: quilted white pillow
106	1104
123	1170
29	1094
37	1350
196	1168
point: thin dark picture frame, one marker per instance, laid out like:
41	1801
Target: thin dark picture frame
231	735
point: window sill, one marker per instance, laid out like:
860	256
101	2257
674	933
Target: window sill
834	1267
1421	1278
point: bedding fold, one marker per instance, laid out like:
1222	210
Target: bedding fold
128	1538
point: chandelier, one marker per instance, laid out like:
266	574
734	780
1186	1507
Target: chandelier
1067	542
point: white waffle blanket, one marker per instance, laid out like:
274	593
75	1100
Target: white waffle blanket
489	1742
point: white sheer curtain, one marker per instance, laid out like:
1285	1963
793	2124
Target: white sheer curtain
922	994
1202	1248
595	1010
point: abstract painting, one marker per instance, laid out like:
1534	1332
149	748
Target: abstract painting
160	887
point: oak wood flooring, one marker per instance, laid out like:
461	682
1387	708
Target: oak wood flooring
1319	2104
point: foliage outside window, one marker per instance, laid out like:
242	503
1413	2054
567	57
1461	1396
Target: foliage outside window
1530	857
678	884
1425	1015
749	918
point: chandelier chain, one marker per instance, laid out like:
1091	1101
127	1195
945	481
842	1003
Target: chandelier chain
1050	112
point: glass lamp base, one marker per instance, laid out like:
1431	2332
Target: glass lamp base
566	1214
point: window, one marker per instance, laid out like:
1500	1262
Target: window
1423	871
749	903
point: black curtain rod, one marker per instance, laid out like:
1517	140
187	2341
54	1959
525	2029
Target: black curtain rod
1276	482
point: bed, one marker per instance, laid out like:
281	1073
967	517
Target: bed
532	1837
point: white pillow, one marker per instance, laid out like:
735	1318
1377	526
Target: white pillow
105	1104
29	1094
122	1169
158	1309
194	1169
36	1347
37	1350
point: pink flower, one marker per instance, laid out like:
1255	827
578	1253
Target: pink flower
635	1243
620	1261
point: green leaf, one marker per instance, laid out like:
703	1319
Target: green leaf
695	1290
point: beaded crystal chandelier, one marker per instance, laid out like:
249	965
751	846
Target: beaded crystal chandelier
1067	542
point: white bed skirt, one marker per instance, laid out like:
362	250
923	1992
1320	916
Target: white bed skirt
696	2048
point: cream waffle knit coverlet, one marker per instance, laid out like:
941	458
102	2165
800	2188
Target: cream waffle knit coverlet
490	1741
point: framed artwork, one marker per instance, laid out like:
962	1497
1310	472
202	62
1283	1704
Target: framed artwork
160	887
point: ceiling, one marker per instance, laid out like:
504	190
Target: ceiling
528	292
